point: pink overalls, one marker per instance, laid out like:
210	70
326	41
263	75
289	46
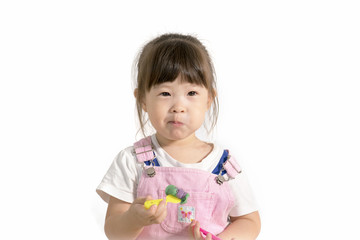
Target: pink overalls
210	199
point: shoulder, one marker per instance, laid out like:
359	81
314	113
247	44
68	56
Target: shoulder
125	162
121	178
126	156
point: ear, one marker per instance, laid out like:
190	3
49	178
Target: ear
143	105
211	99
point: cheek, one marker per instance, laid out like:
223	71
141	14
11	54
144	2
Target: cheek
155	112
202	107
199	114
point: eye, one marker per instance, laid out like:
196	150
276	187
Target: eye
164	94
192	93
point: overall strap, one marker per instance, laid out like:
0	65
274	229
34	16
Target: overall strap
144	152
226	165
219	167
232	167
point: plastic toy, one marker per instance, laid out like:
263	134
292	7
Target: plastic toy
177	192
169	198
173	195
206	232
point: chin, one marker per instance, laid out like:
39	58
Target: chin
179	136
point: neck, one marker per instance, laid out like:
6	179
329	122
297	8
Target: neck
188	150
188	141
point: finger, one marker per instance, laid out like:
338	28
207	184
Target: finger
208	236
163	216
160	208
196	232
191	229
152	210
158	212
161	211
139	205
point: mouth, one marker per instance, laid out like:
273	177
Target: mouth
176	123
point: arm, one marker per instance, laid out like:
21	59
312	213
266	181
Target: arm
126	221
119	224
245	227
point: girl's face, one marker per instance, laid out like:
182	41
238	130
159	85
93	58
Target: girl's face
177	109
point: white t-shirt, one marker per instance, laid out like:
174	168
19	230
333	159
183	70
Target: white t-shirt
122	178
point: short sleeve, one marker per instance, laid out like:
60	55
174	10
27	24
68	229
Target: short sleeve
245	202
120	181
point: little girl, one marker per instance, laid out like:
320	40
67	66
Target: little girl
175	91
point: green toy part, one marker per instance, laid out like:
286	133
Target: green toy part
176	192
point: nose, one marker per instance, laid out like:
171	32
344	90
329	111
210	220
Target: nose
178	106
177	109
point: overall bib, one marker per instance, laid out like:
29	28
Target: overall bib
210	199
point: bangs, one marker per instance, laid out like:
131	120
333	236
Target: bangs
178	58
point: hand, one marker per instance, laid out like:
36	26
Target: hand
154	215
195	231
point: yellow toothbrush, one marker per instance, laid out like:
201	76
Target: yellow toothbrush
169	198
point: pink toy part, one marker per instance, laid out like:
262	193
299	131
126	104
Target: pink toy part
143	150
206	232
232	167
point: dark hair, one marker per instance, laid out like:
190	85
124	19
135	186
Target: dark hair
171	55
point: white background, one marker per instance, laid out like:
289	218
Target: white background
288	80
